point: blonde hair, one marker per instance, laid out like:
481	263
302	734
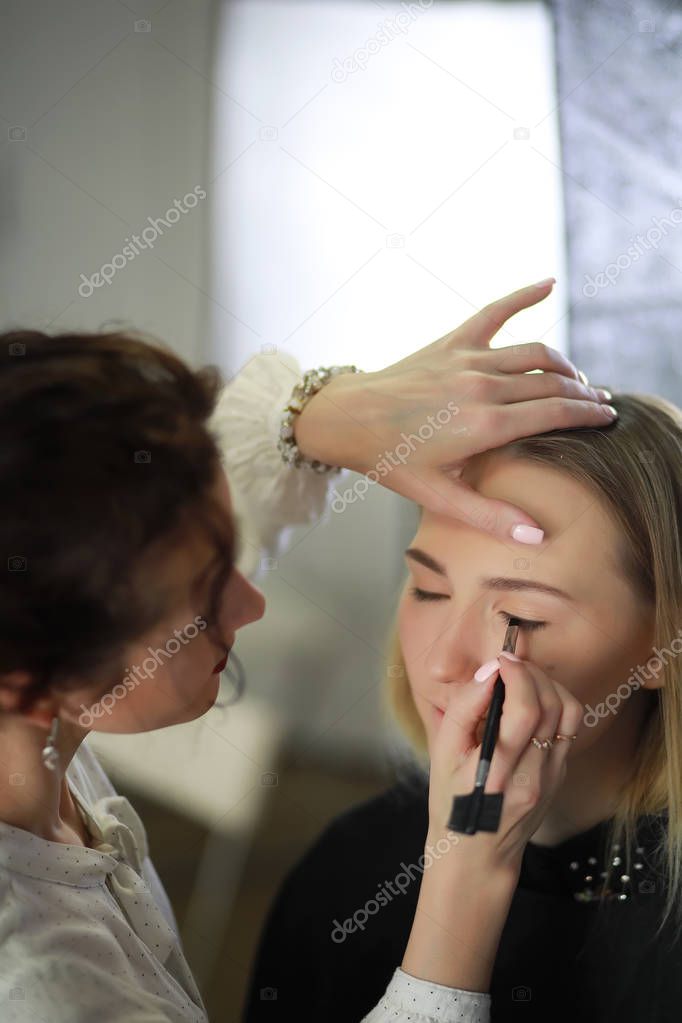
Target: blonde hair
635	467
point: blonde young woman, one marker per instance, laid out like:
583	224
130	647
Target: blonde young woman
572	910
119	538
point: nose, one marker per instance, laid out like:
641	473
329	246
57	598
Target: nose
462	645
248	602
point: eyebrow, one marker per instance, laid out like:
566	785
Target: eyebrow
496	583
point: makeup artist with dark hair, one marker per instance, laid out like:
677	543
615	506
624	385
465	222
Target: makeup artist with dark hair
119	531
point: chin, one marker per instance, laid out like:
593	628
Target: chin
202	702
208	697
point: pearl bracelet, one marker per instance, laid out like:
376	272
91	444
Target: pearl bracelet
312	382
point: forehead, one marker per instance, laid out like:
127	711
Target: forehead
581	542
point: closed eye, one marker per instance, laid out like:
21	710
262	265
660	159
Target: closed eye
524	623
428	595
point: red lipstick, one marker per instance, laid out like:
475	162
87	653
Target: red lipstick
221	664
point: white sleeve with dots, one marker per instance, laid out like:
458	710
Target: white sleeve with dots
410	1000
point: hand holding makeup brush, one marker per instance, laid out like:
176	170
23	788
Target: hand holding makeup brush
466	892
535	705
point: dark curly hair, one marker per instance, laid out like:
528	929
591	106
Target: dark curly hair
106	467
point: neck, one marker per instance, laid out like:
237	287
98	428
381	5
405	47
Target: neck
32	797
595	777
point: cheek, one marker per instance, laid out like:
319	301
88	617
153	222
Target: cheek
591	664
414	640
187	658
595	668
168	681
414	632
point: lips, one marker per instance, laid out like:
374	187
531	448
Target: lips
220	666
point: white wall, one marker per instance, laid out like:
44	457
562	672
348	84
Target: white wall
101	127
360	214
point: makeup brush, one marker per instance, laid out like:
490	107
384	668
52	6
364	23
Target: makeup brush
478	811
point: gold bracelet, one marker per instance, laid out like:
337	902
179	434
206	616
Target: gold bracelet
312	382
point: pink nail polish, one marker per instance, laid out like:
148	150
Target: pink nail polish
527	534
547	280
486	670
509	655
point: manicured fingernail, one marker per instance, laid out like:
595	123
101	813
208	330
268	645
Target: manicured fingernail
529	534
486	670
508	655
547	280
583	377
610	410
603	394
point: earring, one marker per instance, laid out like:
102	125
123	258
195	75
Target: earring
49	754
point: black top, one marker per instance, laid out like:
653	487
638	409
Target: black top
560	956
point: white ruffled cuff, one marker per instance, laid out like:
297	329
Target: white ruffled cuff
267	495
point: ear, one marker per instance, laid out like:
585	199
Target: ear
655	682
13	684
656	677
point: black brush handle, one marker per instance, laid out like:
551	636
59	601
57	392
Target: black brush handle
490	733
492	724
